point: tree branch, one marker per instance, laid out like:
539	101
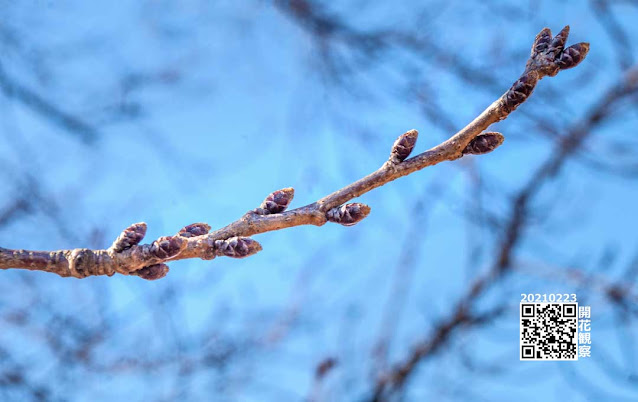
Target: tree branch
393	381
128	257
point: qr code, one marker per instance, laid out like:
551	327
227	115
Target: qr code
549	331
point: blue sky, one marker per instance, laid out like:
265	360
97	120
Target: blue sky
227	102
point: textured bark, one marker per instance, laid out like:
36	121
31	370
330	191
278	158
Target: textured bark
127	256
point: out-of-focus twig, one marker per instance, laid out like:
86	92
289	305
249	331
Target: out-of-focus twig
394	380
40	105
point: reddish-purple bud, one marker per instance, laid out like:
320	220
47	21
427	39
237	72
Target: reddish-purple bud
152	272
130	237
194	229
549	55
237	247
484	143
541	43
403	146
573	55
348	214
167	246
276	202
520	91
557	44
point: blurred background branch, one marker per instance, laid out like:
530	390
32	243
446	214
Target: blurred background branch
173	90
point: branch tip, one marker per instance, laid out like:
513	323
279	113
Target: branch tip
403	146
548	57
348	214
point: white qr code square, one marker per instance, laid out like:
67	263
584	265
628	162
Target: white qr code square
549	331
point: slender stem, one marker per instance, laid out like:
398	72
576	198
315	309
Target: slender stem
127	256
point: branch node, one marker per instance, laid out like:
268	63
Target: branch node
403	146
82	262
348	214
276	202
484	143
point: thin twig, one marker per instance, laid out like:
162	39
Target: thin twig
42	106
394	380
127	256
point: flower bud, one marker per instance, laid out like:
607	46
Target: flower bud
276	202
237	247
484	143
348	214
130	237
403	146
557	44
167	247
194	230
152	272
573	55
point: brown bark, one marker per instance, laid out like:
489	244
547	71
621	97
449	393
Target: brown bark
127	256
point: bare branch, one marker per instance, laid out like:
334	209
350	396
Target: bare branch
127	257
394	379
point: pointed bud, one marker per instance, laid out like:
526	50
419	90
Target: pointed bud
520	91
276	202
237	247
194	230
484	143
573	55
403	146
152	272
549	55
130	237
167	247
348	214
541	43
557	44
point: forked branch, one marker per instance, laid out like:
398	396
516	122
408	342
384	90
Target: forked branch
127	256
